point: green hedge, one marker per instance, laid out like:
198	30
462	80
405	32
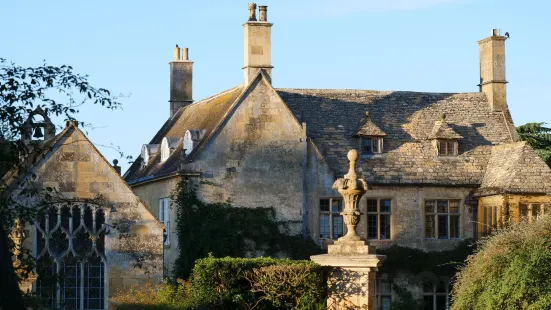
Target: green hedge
232	283
235	283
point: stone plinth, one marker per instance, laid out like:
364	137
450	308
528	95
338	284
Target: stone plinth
352	279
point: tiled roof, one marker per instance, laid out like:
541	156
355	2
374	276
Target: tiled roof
204	114
333	118
516	168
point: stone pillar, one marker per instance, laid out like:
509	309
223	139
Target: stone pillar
352	279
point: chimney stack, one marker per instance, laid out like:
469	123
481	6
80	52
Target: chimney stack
258	43
181	76
492	70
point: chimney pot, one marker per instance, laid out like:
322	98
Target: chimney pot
252	12
263	14
185	53
176	53
495	32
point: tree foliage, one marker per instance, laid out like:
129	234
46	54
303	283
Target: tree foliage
510	270
59	92
538	137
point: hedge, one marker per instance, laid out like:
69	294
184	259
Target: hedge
232	283
236	283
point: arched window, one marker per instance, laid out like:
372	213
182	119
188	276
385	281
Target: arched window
70	255
188	142
165	149
145	154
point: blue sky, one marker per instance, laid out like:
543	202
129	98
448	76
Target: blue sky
417	45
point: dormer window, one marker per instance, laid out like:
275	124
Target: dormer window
168	145
148	151
371	137
371	145
447	147
192	138
188	142
444	138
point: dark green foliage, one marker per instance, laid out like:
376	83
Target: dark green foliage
235	283
539	138
442	263
510	271
226	283
225	230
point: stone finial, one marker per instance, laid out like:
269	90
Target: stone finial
263	13
352	189
252	12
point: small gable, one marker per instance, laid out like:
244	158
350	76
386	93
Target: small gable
369	129
442	130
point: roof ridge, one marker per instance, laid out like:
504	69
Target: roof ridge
374	90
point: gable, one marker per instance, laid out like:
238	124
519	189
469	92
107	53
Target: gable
76	170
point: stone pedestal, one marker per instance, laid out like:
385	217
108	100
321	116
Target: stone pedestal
352	278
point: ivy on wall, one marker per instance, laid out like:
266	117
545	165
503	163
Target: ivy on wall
416	261
225	230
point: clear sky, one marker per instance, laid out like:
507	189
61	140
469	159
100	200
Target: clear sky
417	45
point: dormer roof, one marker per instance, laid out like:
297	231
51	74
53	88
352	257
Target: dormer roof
368	128
442	130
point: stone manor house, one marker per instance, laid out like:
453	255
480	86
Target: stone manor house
442	167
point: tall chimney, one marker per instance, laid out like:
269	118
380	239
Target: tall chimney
181	76
258	43
492	70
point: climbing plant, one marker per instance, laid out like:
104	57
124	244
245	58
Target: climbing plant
226	230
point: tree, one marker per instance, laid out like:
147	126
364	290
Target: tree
539	138
510	270
58	91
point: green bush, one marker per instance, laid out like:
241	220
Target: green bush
233	283
163	296
510	270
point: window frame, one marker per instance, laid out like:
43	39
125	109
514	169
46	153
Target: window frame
378	214
436	218
331	214
434	294
164	217
453	142
379	142
379	294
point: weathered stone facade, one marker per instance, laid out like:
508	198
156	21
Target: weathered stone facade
75	173
438	156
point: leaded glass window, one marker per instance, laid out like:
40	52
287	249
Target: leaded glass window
70	252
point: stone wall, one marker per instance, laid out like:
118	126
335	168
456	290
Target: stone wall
150	193
77	171
258	157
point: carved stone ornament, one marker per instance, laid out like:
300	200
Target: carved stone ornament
252	12
352	189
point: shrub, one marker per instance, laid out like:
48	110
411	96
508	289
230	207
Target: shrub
510	270
163	296
233	283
